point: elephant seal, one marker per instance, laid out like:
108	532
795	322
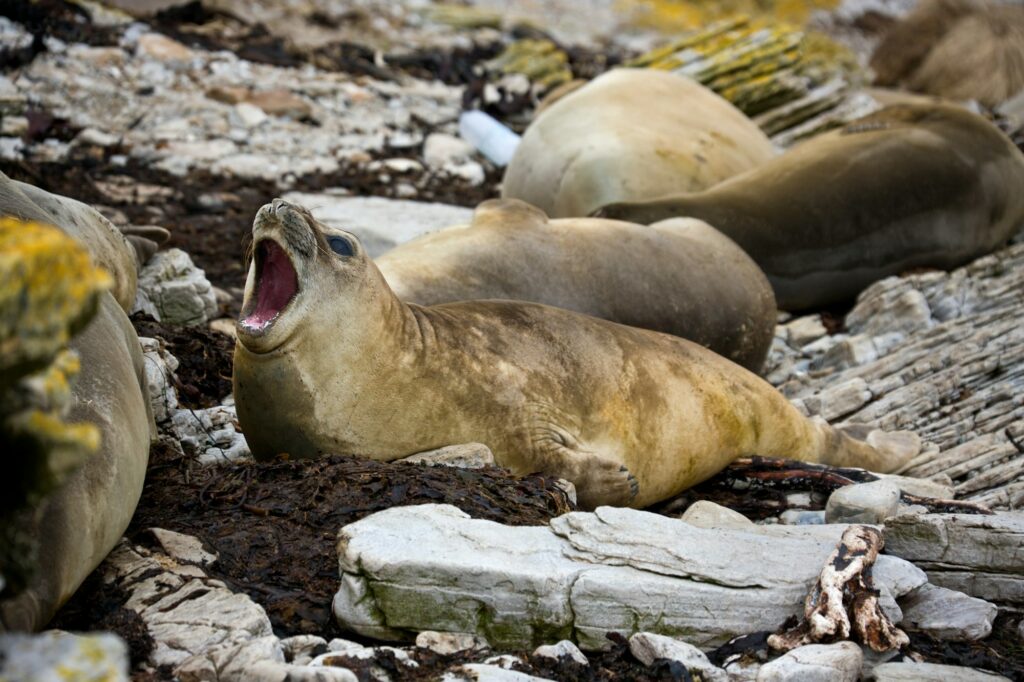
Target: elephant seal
909	186
84	518
679	276
629	135
329	360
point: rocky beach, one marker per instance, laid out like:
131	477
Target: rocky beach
190	116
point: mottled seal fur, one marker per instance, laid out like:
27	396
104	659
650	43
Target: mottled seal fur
910	186
329	360
679	276
629	135
85	517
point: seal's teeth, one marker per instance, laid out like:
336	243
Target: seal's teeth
276	285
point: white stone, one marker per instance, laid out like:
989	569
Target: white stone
477	672
301	649
174	291
183	548
57	655
804	330
948	614
159	365
381	224
211	433
815	663
872	502
930	672
840	400
96	138
563	648
464	456
250	115
705	514
648	648
446	643
440	149
470	171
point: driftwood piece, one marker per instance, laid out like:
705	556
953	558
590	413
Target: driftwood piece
844	600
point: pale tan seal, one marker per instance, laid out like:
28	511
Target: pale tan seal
629	135
85	517
910	186
678	276
329	360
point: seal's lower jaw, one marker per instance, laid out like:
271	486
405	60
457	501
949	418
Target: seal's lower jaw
276	286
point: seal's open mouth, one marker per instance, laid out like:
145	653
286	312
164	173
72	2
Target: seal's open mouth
276	285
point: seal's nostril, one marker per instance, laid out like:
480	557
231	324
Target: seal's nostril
278	204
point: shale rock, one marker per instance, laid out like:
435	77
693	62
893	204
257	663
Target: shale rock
863	503
979	555
815	663
930	672
948	614
586	574
174	291
648	648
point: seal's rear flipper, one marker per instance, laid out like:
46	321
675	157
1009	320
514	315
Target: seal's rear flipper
146	240
896	447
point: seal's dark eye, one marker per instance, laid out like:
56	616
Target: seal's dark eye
341	246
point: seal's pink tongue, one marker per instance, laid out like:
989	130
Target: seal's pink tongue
276	284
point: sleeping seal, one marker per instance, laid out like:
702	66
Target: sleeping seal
910	186
629	135
679	276
84	518
329	360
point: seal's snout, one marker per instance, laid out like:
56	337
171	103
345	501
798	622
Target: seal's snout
277	204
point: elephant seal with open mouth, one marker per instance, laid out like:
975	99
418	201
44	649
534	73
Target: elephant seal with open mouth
329	360
910	186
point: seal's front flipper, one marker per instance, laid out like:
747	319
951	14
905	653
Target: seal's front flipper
598	480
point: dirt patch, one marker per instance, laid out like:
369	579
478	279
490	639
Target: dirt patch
275	524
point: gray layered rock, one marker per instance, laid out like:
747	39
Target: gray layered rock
381	224
839	662
174	291
937	353
948	614
586	574
930	672
980	555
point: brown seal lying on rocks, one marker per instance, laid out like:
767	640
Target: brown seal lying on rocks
907	187
84	518
629	135
678	276
329	360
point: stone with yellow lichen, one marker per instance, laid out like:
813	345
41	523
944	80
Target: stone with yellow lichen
543	62
671	16
58	655
49	289
760	67
462	16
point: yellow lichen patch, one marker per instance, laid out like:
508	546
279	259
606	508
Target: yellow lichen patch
671	16
754	65
462	16
539	60
48	288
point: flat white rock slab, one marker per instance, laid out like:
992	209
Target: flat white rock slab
381	224
431	567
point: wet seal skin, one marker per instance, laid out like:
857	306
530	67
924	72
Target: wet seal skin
631	135
329	360
679	276
913	185
84	518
